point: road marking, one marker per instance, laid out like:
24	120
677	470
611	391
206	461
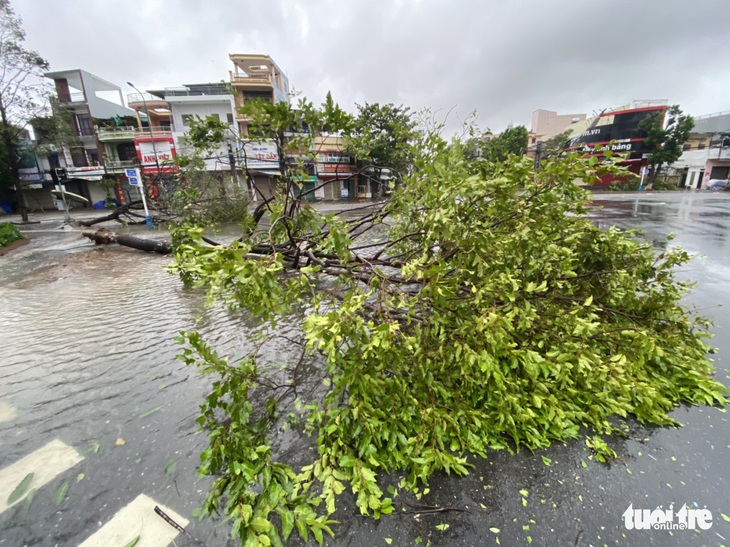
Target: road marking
7	412
138	519
46	464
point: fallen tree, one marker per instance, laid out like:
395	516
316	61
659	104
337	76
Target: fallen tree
478	309
104	236
123	214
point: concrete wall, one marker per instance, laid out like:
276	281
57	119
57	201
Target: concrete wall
102	108
547	123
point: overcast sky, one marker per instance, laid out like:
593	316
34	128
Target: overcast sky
502	58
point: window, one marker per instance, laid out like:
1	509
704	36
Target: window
186	119
85	125
229	117
701	146
686	146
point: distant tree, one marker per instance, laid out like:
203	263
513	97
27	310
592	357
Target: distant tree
54	132
556	144
665	140
382	136
21	97
512	141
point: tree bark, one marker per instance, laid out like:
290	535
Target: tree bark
106	237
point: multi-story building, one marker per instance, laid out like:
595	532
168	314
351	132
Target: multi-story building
256	77
706	153
547	124
101	123
617	130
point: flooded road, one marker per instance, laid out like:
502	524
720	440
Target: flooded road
87	360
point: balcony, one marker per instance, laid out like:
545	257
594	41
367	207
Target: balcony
114	166
78	97
157	131
137	100
251	81
112	134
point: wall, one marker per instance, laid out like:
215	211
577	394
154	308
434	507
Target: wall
547	123
98	107
203	106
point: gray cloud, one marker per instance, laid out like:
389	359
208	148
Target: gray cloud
503	59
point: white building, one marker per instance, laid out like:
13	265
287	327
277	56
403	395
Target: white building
706	154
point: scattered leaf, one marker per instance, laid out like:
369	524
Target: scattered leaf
442	527
170	468
27	503
388	540
725	517
524	492
21	489
583	464
121	442
80	477
547	461
494	530
150	411
60	494
93	448
133	542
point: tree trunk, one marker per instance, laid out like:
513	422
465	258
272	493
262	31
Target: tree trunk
106	237
114	215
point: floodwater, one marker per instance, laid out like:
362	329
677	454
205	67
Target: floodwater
87	357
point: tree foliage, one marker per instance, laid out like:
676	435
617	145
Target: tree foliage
555	144
665	140
21	94
478	309
512	141
383	135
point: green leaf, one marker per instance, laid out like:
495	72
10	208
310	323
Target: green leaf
260	525
150	411
20	489
388	540
287	523
442	527
494	530
133	542
60	494
725	517
347	461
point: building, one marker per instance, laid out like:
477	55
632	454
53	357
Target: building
256	77
103	126
706	153
548	123
616	130
153	137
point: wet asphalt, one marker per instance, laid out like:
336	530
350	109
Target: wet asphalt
87	357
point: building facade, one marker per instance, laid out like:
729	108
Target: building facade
103	127
706	154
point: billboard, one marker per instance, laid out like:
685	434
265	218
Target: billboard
261	156
616	131
163	149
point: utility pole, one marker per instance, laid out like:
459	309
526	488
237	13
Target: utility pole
149	127
232	162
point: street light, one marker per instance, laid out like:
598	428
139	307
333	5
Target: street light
148	218
149	126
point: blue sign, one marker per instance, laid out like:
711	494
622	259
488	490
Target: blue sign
131	172
133	181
